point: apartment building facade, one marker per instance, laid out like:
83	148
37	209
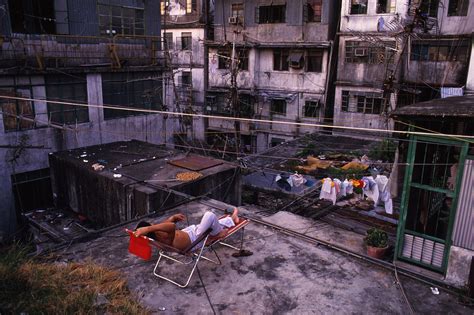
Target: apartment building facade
282	51
183	26
395	52
99	53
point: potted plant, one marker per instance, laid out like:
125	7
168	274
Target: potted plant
377	242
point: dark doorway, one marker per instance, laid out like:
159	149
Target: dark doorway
32	190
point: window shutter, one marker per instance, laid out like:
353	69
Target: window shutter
257	15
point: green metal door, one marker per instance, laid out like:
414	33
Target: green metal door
432	180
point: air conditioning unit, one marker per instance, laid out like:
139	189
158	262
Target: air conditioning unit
360	52
233	19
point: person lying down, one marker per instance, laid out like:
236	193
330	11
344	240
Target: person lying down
167	233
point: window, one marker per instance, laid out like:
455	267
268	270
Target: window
271	14
168	41
429	7
186	79
278	107
224	59
313	11
246	103
365	52
458	7
243	55
369	105
441	50
70	89
358	7
237	11
186	41
295	59
120	20
136	90
314	60
32	17
311	109
345	101
191	6
280	59
383	6
362	102
15	110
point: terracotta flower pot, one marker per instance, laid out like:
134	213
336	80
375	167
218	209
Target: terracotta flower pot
376	252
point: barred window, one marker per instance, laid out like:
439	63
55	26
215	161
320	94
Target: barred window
311	109
17	114
365	52
440	50
120	20
132	90
345	101
70	89
369	105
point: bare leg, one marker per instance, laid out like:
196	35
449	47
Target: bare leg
235	216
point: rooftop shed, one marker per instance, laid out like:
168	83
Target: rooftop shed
116	182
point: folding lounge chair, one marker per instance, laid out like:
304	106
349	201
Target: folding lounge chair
141	247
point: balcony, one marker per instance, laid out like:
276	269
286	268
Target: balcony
43	52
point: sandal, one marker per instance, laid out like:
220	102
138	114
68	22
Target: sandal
242	253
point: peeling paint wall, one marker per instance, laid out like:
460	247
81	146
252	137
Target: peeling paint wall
376	29
96	131
295	85
187	61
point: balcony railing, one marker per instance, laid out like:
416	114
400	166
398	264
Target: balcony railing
41	52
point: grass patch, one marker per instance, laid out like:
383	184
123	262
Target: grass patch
34	287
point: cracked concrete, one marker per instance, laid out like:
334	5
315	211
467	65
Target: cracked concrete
285	275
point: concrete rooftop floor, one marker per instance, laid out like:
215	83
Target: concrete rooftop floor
285	274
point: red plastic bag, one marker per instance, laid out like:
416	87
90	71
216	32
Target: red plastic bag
139	246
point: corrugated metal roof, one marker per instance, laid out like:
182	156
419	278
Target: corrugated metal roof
463	234
456	106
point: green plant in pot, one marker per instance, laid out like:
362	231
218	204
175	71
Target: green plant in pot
377	242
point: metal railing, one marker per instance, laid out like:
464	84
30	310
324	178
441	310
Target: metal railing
68	51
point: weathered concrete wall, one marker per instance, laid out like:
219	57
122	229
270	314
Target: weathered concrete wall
354	119
295	85
295	29
96	131
459	265
363	73
193	61
439	73
368	22
453	25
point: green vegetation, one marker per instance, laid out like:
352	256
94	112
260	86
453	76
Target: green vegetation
376	238
34	287
384	150
310	149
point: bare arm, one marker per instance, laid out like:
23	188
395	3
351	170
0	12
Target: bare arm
166	227
175	218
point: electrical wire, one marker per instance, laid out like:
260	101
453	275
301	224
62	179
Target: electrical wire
182	114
